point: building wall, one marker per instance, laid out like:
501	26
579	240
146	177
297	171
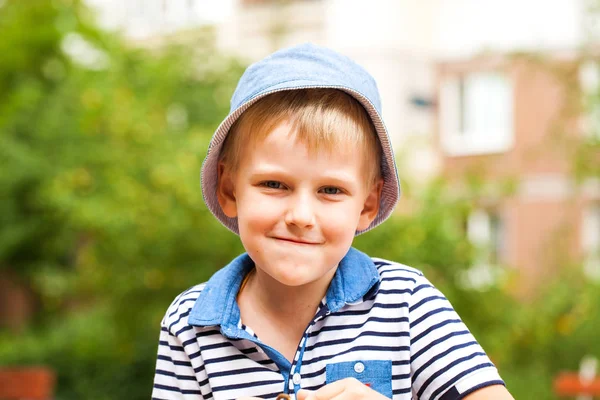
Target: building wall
543	217
538	100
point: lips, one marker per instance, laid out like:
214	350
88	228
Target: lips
297	241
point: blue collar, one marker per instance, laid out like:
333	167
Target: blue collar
217	305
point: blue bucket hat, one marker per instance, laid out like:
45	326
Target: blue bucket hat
302	67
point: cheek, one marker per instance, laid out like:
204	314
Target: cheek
341	221
256	212
346	213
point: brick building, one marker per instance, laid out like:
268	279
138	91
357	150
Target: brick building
515	121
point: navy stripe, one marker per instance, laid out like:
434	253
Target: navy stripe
429	314
192	356
180	304
357	348
171	347
453	381
243	385
394	291
176	389
211	332
425	300
401	391
174	362
238	372
441	355
352	339
179	377
313	374
398	278
216	346
224	359
270	395
184	329
396	270
185	314
249	350
477	387
443	370
360	325
437	341
423	286
190	341
345	313
381	263
434	327
314	387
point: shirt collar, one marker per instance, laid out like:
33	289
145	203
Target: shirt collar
217	305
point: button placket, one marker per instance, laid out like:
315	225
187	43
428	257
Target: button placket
295	372
296	378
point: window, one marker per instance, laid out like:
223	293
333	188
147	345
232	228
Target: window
476	114
177	13
590	241
589	81
486	231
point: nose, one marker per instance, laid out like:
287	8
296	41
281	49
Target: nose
300	211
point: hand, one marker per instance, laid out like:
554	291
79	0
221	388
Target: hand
345	389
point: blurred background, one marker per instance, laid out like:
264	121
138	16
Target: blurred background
107	107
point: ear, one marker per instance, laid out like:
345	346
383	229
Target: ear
371	206
226	191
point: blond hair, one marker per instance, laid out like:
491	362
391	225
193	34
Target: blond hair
322	119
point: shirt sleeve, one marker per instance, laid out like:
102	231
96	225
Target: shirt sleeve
174	378
447	363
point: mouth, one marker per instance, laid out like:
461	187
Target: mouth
297	241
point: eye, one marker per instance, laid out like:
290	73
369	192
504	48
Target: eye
331	190
272	184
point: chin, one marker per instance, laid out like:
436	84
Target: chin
293	280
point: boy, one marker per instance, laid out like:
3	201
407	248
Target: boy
301	165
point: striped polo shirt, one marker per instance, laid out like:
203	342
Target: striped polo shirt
380	322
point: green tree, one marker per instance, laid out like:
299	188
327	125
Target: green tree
101	213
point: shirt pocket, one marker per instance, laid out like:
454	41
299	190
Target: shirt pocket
377	374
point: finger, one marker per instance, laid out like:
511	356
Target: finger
330	391
303	394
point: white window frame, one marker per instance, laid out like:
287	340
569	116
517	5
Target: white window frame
457	140
589	81
480	226
486	269
590	240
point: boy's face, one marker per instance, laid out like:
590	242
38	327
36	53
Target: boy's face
298	212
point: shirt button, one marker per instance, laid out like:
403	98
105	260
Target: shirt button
296	379
359	367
